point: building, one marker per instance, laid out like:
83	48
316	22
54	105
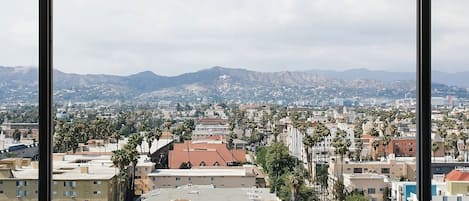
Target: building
74	178
204	154
402	191
218	177
142	182
209	193
209	127
395	169
372	185
457	182
399	146
28	131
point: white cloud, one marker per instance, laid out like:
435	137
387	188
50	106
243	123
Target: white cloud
172	37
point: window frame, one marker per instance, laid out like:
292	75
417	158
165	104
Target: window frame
423	112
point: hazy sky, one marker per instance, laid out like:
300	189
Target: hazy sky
170	37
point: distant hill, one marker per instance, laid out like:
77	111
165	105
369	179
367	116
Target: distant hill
457	79
19	84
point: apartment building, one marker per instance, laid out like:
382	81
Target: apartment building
457	182
73	179
198	154
395	169
217	177
142	182
209	127
372	185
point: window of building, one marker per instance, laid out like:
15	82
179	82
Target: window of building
97	182
178	178
371	191
97	192
357	170
385	170
19	183
1	191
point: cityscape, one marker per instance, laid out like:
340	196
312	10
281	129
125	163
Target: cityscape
234	100
351	147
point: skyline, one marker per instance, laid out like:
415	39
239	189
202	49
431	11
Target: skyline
171	38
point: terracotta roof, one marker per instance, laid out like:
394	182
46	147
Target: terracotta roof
457	175
210	154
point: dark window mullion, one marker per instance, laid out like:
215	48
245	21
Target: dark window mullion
45	100
424	100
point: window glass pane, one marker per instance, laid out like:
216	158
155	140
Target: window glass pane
219	97
449	101
19	100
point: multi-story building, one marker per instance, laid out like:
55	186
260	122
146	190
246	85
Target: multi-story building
210	127
457	182
400	169
204	154
209	193
218	177
142	182
372	185
74	178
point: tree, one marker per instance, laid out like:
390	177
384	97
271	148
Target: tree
463	136
296	180
375	145
278	160
356	197
435	148
387	194
374	132
339	192
385	142
341	146
17	135
149	138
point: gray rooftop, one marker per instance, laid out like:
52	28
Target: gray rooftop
208	193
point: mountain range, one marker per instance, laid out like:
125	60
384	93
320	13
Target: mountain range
18	84
454	79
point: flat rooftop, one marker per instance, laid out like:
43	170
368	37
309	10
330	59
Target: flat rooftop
208	193
199	172
99	168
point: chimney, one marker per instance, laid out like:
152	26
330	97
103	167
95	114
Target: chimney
84	170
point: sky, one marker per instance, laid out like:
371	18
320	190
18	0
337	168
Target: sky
170	37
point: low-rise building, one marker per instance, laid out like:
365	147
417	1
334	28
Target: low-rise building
372	185
74	178
457	182
209	193
217	177
197	154
395	169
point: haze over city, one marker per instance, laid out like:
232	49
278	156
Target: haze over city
173	37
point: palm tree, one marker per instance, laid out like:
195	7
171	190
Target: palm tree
435	148
149	138
463	137
158	134
374	132
341	145
375	145
386	140
296	180
308	142
441	131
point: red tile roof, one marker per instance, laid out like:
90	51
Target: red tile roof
457	175
210	154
